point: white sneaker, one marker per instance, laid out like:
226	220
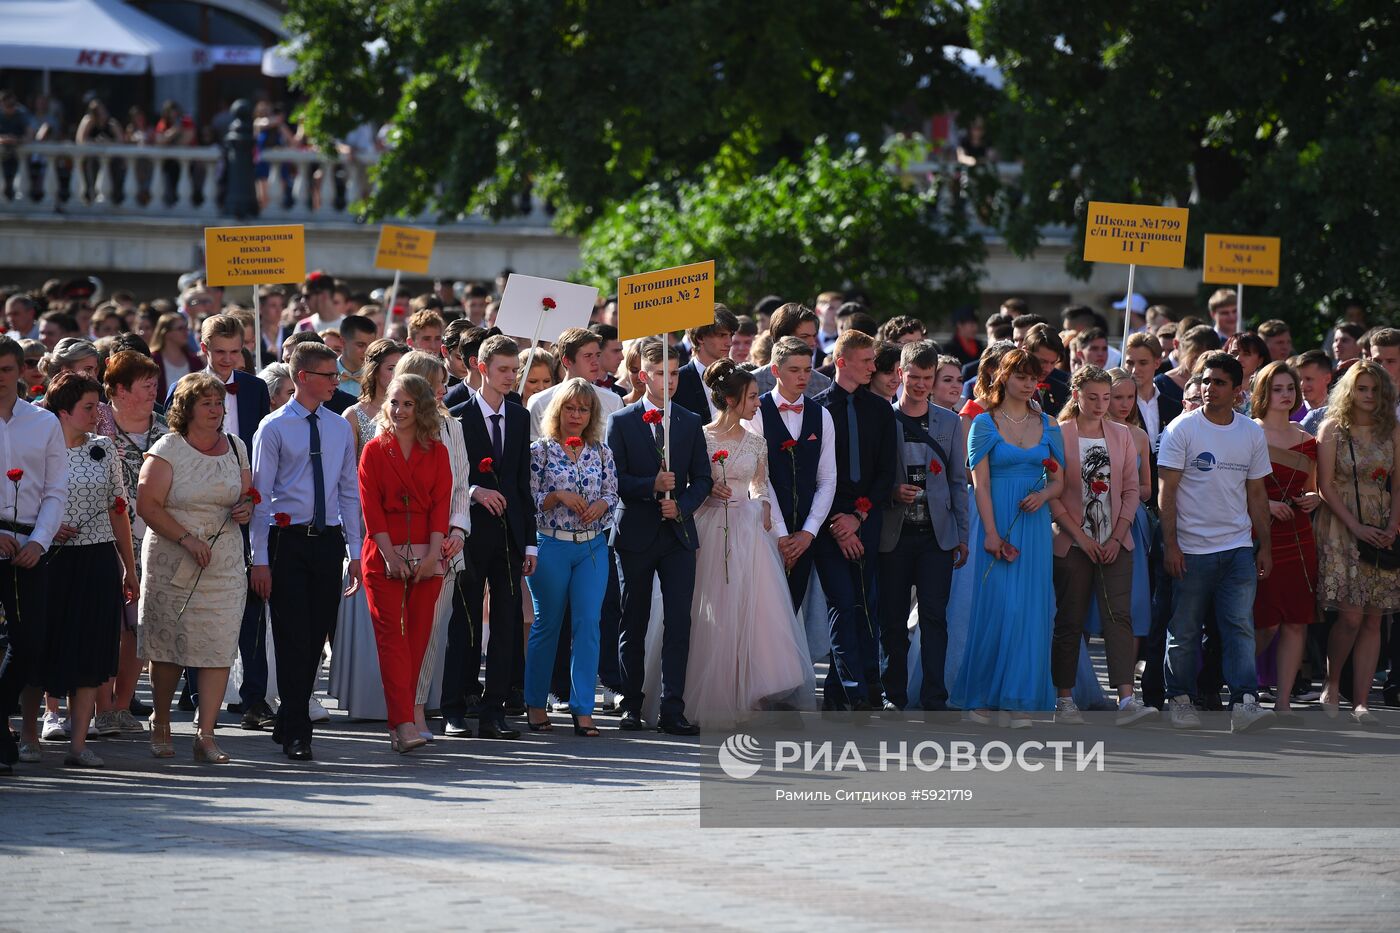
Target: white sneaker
1067	713
979	719
556	704
54	728
106	724
1183	713
29	753
1247	716
1132	710
610	698
317	712
1023	722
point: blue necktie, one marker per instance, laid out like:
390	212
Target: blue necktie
318	477
853	432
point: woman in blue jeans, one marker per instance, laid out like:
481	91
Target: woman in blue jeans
574	482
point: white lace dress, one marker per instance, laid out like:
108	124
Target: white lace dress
747	648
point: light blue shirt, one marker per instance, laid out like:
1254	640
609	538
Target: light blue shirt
282	474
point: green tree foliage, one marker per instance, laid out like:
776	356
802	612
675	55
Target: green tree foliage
807	225
1263	117
585	102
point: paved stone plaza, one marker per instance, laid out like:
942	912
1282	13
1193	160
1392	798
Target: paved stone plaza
570	833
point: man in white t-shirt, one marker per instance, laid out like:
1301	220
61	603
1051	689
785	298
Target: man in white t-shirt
1213	503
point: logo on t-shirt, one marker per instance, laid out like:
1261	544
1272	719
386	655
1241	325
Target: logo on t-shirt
1204	461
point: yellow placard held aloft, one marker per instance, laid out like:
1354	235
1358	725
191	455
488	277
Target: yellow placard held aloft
406	249
1241	260
1136	234
651	303
268	255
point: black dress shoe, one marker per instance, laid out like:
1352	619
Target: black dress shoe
186	705
496	729
631	722
235	708
456	725
138	709
259	716
515	705
678	726
298	750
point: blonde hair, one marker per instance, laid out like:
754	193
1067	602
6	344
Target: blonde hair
570	389
1082	375
1119	375
427	424
188	392
1341	404
418	363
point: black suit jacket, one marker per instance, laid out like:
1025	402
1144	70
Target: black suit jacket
460	392
876	427
340	401
690	392
510	477
253	405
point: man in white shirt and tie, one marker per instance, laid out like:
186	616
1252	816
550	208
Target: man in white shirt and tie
580	354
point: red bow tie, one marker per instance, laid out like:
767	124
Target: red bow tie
232	388
786	407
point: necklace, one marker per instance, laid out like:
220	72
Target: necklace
1007	415
204	450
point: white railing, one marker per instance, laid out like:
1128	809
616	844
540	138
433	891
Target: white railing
187	182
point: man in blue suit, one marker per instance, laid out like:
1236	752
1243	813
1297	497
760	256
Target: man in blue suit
221	345
924	538
656	536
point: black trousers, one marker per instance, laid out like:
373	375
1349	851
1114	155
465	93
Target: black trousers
916	563
307	579
498	567
26	620
674	563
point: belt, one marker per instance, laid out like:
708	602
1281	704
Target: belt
19	527
306	530
577	537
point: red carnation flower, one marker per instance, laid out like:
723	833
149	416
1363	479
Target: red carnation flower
281	519
720	456
788	444
549	303
119	505
652	417
934	467
1042	387
574	441
253	496
1050	465
485	465
1099	486
15	475
863	505
1378	474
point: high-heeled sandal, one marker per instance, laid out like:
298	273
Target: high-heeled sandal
161	744
589	731
545	726
206	750
1332	709
405	745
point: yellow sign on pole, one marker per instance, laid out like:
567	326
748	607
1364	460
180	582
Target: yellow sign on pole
404	249
255	255
1241	260
1136	235
659	302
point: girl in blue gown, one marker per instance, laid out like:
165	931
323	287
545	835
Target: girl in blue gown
1016	454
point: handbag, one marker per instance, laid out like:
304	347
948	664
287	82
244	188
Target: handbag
1380	558
415	554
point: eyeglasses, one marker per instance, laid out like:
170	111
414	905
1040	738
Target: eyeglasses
312	372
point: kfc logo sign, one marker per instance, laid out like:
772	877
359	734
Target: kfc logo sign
90	58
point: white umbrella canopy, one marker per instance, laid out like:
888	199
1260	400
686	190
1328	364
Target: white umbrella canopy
99	36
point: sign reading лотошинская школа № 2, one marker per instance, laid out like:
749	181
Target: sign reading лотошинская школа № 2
1135	234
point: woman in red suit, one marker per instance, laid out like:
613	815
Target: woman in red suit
406	493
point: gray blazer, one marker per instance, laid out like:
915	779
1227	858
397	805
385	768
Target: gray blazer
947	493
767	381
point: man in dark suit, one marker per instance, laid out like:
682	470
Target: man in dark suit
794	320
709	343
464	343
1045	345
501	548
847	551
247	404
656	537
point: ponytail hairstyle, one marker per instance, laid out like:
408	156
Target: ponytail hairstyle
1082	375
727	383
1119	375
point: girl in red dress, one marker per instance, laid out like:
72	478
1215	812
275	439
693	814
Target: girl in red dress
1286	602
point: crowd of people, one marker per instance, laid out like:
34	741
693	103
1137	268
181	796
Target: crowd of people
679	530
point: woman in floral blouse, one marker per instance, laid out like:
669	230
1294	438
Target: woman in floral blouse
574	482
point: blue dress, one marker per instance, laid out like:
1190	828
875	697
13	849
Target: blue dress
1006	659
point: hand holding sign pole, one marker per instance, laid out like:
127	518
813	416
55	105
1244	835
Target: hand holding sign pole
652	303
255	256
532	306
1135	235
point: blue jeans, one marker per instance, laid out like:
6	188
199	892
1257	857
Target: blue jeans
574	575
1227	578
